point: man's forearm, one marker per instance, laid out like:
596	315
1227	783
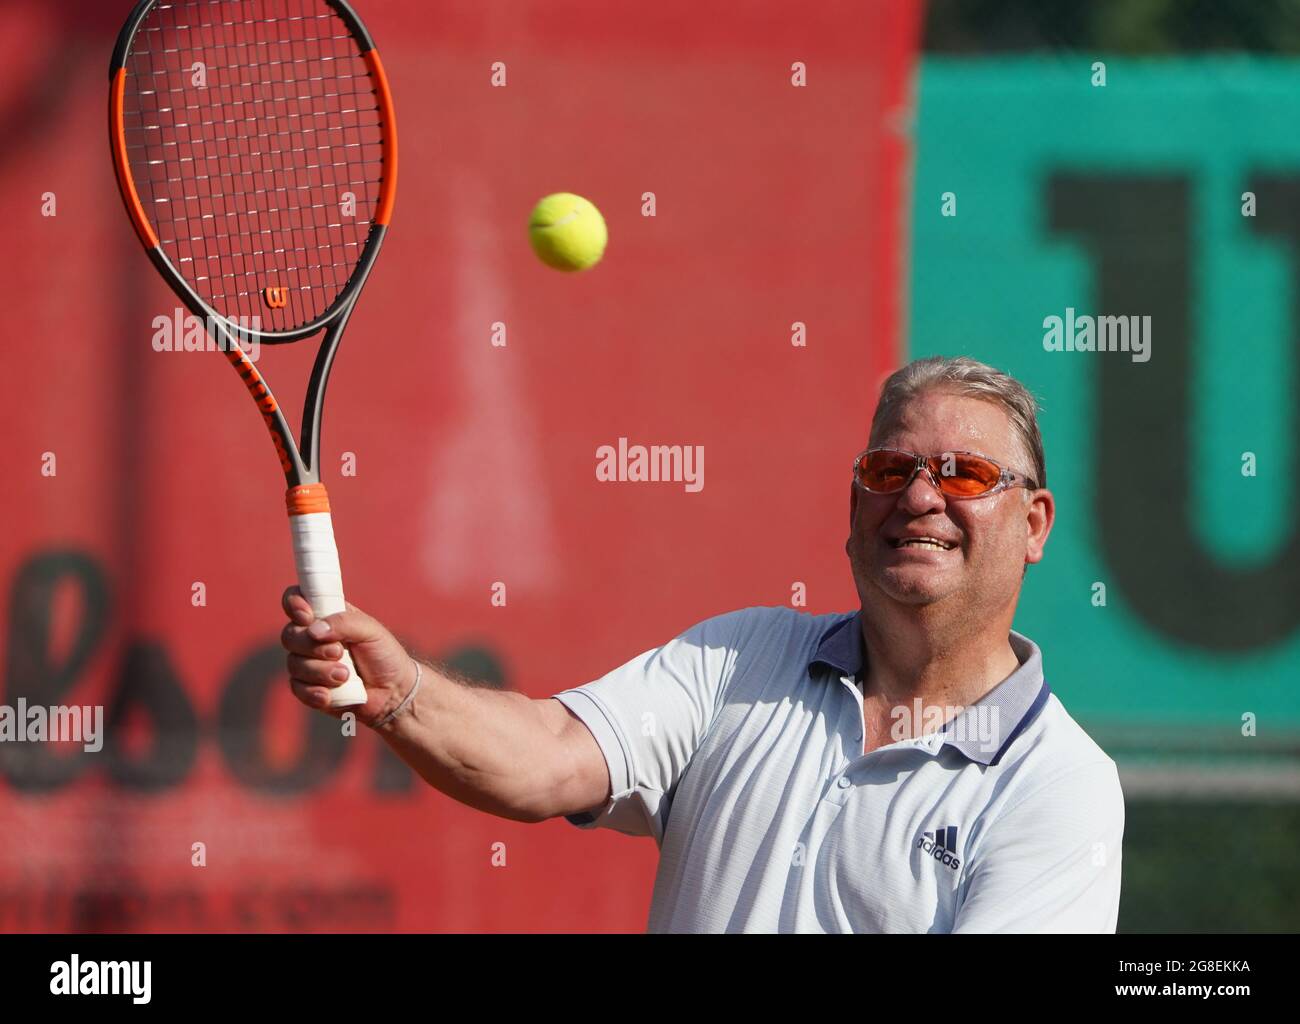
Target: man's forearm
487	748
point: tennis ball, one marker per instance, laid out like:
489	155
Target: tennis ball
567	232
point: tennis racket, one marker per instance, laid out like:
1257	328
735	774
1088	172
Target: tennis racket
256	152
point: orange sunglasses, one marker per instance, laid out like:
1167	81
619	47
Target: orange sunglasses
953	474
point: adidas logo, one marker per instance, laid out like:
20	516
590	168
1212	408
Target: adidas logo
941	844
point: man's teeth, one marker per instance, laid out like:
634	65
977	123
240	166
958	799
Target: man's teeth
923	542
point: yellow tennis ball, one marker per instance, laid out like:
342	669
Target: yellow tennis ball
567	232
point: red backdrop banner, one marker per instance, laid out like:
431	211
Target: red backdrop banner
130	475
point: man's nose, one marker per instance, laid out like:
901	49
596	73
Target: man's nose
922	495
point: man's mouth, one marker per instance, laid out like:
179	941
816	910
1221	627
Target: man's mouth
924	542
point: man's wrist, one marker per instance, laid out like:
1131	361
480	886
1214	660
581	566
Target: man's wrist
406	702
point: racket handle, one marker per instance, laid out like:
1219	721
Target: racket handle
316	557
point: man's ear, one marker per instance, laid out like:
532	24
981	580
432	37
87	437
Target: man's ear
853	505
1039	517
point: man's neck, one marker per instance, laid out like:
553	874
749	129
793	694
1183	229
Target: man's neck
938	659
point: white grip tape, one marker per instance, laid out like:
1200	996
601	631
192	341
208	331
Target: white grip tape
317	559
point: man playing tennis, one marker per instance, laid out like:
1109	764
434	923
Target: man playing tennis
902	768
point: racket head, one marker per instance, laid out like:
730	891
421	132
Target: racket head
255	147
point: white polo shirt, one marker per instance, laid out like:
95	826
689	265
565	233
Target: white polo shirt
738	747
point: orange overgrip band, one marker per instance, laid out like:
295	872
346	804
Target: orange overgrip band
305	499
117	136
388	188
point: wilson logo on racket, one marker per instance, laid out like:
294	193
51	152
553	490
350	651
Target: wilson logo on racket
276	296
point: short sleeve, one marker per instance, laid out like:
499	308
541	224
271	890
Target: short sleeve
1051	863
649	715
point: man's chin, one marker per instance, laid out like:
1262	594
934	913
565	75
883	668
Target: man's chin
907	586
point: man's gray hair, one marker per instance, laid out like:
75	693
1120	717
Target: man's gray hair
969	377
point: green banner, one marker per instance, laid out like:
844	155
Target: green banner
1171	192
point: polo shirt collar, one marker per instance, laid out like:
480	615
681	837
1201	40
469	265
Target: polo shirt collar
1015	702
841	647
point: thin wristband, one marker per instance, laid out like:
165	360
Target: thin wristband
419	674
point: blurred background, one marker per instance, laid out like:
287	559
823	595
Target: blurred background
1128	198
128	476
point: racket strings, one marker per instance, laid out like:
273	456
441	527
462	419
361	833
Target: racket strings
214	236
263	180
